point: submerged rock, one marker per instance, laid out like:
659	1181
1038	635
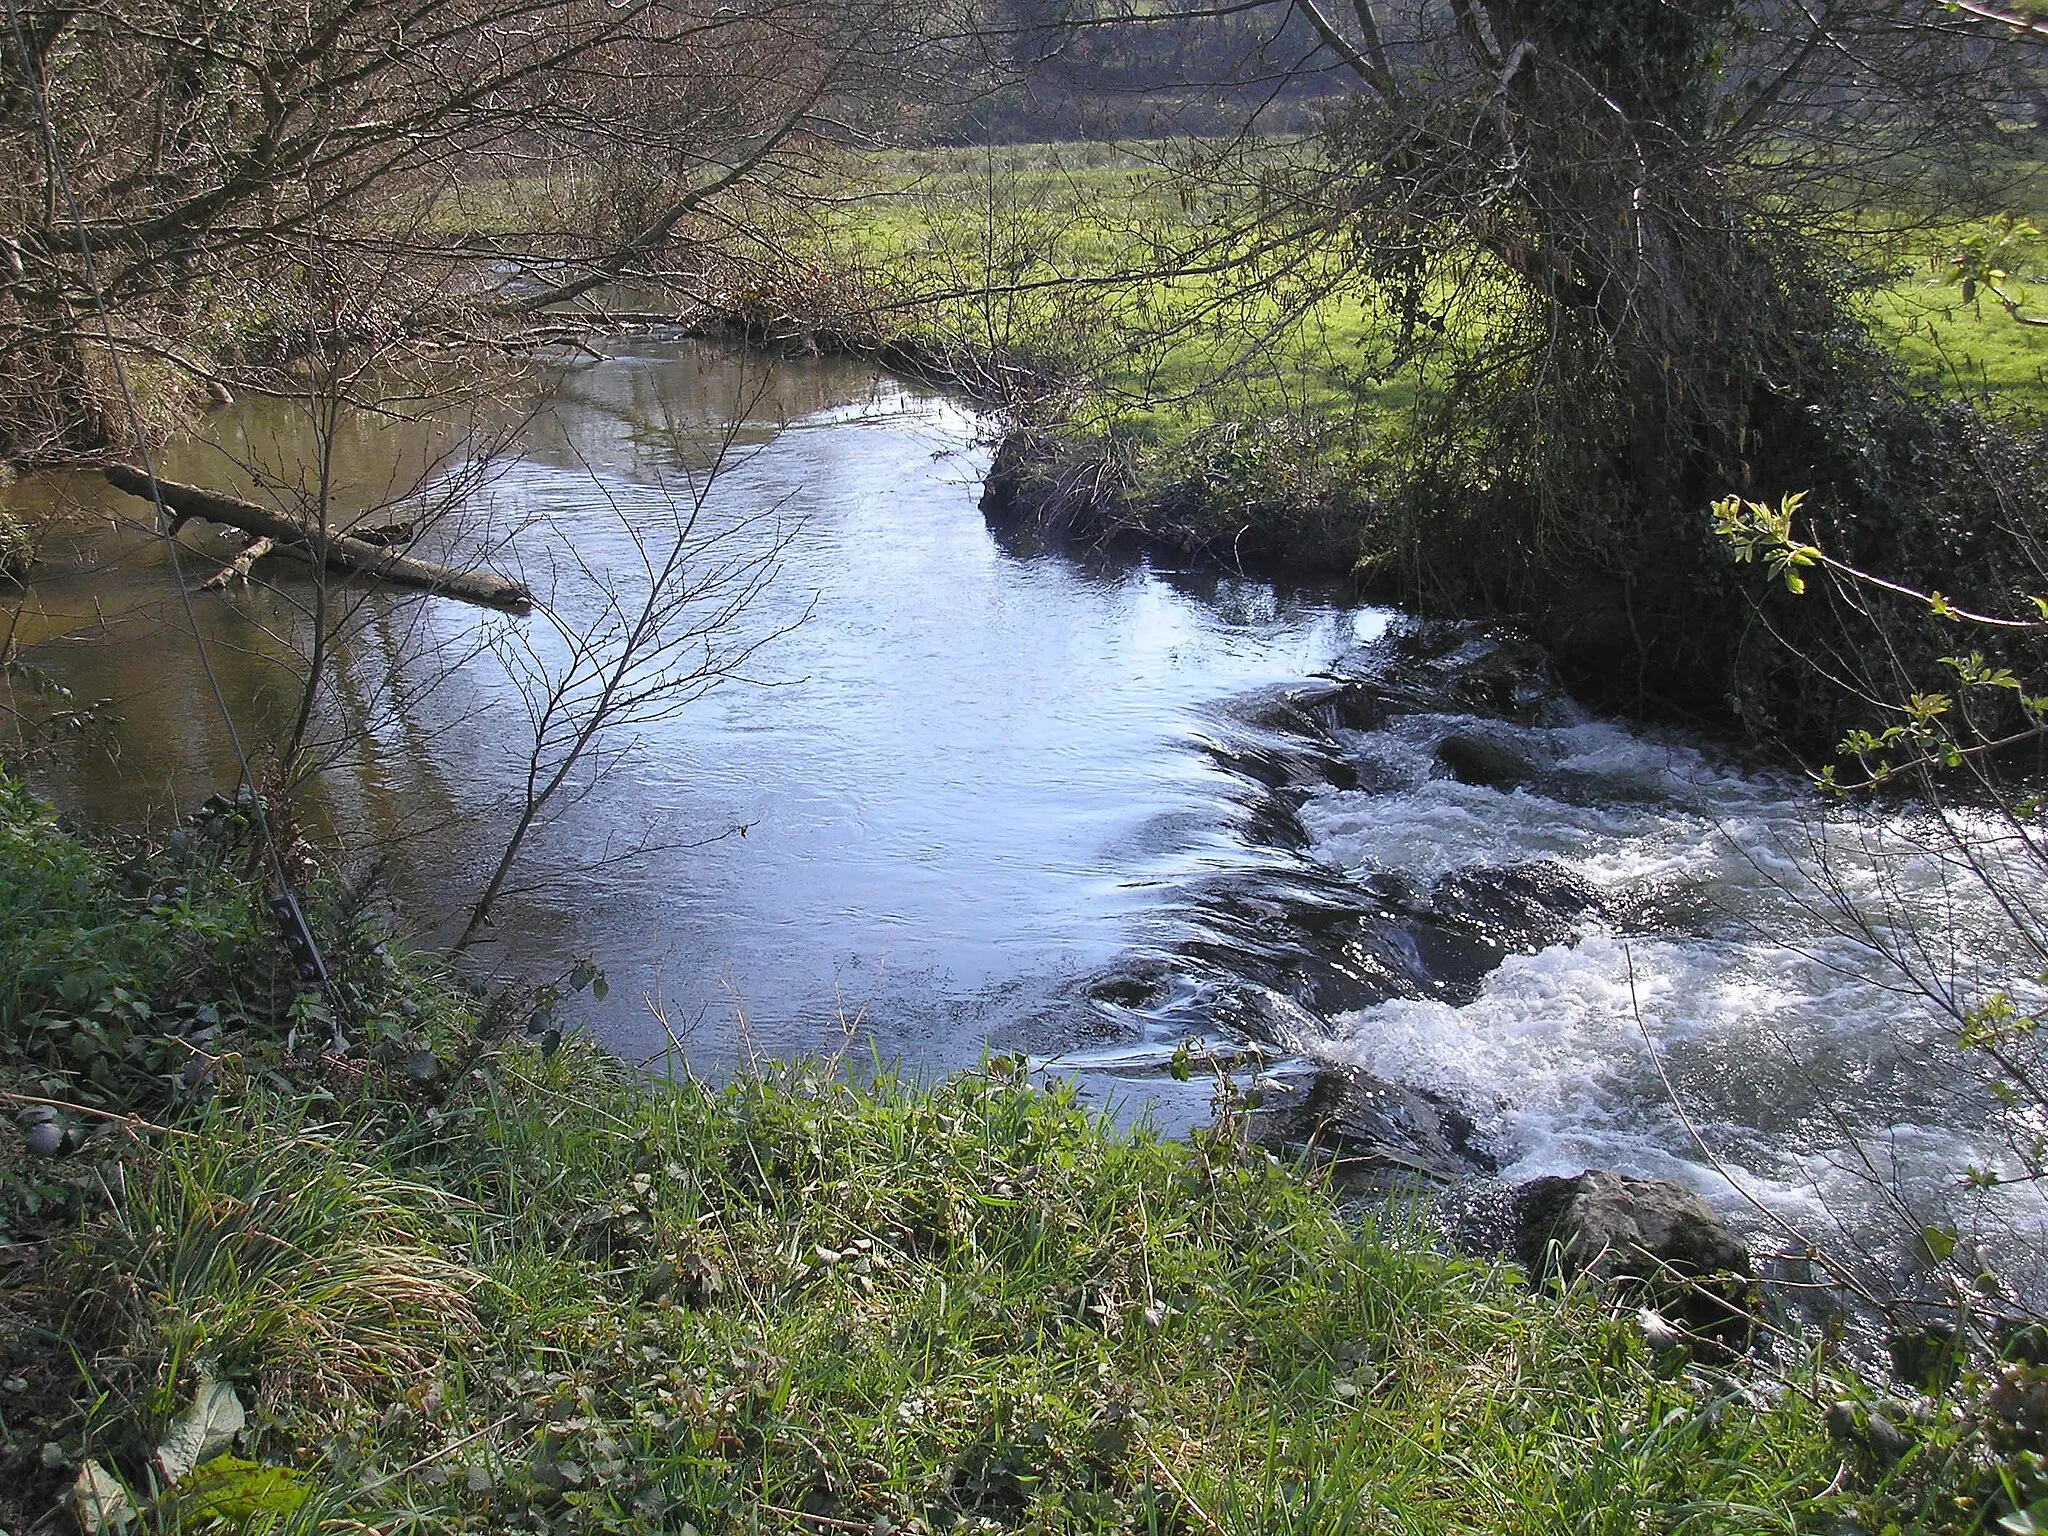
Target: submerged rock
1131	984
1648	1236
1372	1136
1520	907
1449	668
1476	760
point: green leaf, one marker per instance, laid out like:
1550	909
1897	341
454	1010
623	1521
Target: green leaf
203	1430
1938	1243
229	1488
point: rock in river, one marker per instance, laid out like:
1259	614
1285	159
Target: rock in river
1649	1236
1476	760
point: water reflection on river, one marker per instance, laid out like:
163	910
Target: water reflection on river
965	776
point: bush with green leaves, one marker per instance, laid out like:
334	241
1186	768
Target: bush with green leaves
1995	259
115	959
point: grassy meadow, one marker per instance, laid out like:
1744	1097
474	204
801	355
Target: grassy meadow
1052	253
1058	256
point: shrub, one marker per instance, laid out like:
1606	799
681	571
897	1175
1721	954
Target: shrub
17	545
114	965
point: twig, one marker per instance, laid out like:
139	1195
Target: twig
824	1520
1181	1493
238	568
131	1121
433	1456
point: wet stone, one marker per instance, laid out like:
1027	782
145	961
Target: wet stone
1373	1136
1135	985
1647	1237
1476	760
1521	907
1489	671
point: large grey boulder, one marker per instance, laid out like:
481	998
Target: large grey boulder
1650	1237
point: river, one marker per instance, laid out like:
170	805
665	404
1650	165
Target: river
969	796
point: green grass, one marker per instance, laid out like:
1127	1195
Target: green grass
1024	251
1053	254
1968	349
540	1292
1970	344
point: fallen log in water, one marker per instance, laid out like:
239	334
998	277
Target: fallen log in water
343	552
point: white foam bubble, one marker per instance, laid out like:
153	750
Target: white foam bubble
1771	994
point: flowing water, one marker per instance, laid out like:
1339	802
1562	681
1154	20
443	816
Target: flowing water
968	795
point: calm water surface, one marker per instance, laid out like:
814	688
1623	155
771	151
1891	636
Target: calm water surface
965	773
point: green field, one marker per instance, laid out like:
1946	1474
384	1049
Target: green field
1054	253
1064	256
1971	345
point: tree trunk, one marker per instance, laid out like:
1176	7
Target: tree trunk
342	551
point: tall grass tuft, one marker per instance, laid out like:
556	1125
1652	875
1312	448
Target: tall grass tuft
272	1254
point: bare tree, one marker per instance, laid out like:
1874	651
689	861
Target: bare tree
180	166
625	639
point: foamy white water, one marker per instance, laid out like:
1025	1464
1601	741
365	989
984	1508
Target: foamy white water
1741	1022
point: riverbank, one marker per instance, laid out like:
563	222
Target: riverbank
1159	398
462	1273
1177	371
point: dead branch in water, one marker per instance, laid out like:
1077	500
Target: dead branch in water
342	551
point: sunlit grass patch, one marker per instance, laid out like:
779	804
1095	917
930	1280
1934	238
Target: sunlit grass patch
269	1250
973	1305
1943	313
1061	253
